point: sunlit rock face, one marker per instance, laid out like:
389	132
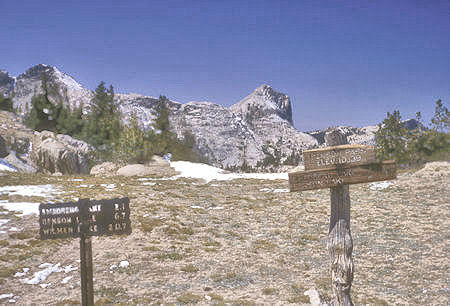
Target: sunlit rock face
364	135
254	130
263	102
245	133
61	87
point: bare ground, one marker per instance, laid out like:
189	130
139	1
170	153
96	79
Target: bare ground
241	242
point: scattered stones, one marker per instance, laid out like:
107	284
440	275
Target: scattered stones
62	153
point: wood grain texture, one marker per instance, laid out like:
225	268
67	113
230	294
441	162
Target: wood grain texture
344	155
340	242
332	177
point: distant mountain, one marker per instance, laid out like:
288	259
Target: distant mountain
253	131
363	135
29	84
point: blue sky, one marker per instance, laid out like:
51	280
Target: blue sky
341	62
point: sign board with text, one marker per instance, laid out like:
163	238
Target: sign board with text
332	177
344	155
84	219
104	218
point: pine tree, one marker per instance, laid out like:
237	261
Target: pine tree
163	135
43	113
103	122
134	144
391	138
6	103
441	120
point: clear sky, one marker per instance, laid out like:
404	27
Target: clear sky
341	62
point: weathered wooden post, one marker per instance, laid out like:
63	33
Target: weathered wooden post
340	243
336	167
84	219
87	284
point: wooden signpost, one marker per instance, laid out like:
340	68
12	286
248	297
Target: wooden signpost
336	167
84	219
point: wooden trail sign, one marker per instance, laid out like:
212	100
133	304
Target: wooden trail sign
336	167
345	155
84	219
104	217
332	177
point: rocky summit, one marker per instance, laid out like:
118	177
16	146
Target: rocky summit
255	131
61	87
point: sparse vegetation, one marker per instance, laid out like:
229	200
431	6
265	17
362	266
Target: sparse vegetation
102	127
189	298
190	268
6	103
413	147
251	251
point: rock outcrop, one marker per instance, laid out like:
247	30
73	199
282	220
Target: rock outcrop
364	135
61	87
31	151
61	153
262	103
244	134
154	168
104	169
20	163
254	132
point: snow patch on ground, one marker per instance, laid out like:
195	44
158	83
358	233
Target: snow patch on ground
380	185
314	297
42	275
20	274
6	296
5	166
124	264
69	268
47	191
279	190
66	279
3	222
25	208
108	186
210	173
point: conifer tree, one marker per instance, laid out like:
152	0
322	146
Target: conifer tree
441	119
391	138
43	113
6	103
103	121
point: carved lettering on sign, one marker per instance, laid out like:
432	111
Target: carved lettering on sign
105	217
345	155
324	178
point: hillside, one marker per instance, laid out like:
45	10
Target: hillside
256	128
242	241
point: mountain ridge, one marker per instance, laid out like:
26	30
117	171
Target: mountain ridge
251	132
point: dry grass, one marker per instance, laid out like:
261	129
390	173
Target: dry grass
238	245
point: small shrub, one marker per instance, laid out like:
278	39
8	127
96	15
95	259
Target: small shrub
269	291
188	297
190	268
